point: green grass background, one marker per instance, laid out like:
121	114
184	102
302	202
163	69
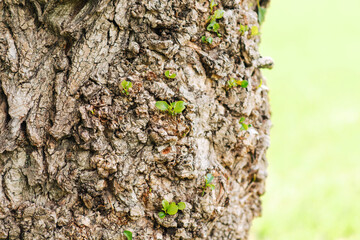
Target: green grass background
313	186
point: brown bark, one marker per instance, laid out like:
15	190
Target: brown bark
79	159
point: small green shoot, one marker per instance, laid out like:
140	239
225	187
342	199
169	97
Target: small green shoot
128	234
261	81
126	86
234	83
254	31
167	74
181	206
171	208
261	13
243	83
208	179
218	14
212	5
213	25
173	108
208	40
243	29
244	126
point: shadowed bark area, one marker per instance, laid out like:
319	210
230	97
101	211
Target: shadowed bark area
80	159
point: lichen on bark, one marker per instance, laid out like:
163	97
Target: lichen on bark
79	159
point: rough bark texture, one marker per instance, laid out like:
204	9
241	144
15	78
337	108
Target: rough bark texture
81	160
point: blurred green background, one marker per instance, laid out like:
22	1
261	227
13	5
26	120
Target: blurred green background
313	186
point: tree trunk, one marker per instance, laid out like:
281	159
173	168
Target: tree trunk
82	159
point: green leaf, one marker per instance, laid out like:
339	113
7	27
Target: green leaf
165	204
128	234
167	74
213	26
216	27
126	85
244	126
232	83
241	119
162	105
212	186
244	84
123	84
243	29
172	209
179	106
203	39
254	30
261	14
162	215
210	26
209	40
181	205
209	178
219	14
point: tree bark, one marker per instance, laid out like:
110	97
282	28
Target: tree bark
80	159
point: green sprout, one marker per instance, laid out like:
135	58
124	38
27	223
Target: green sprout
213	25
208	40
167	74
234	83
171	208
172	108
126	86
243	29
261	13
128	234
244	126
208	179
254	31
261	81
212	5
